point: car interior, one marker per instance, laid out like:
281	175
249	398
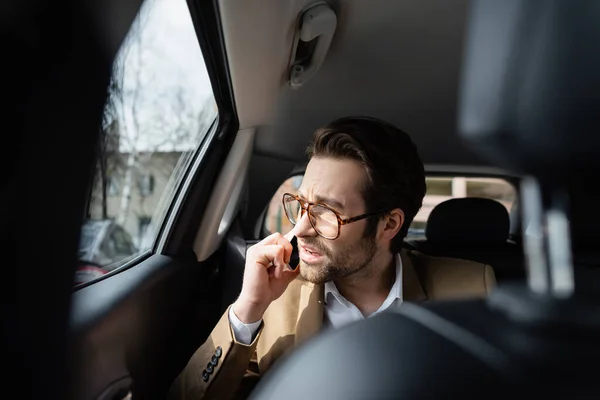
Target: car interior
474	228
501	99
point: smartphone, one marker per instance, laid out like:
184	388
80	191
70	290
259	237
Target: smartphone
295	257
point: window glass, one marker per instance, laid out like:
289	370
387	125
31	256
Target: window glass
159	108
439	189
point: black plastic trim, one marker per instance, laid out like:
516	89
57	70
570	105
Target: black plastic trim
206	18
135	260
207	22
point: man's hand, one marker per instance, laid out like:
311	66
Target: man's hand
266	276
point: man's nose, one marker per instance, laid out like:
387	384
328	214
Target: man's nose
304	228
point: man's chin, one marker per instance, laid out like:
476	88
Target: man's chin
313	273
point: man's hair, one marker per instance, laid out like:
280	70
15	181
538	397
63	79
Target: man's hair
395	176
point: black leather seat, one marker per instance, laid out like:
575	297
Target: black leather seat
474	229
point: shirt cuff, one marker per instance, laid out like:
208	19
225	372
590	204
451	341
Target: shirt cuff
243	333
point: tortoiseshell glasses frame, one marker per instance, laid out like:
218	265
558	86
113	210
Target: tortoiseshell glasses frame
314	218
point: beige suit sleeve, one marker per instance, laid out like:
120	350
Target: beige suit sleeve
489	278
217	368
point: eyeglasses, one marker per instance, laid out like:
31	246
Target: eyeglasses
324	220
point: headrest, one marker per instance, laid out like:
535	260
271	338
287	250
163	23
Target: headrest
468	221
529	98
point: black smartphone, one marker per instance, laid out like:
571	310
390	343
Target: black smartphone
295	257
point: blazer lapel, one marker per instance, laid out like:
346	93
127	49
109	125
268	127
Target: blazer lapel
294	317
412	289
310	311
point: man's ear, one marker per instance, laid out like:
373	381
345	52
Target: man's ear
392	223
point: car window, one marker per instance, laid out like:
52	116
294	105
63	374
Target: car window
439	189
159	108
123	243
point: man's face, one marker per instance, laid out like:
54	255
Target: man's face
336	183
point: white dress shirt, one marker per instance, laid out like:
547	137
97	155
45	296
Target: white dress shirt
338	311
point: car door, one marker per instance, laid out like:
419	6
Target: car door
168	125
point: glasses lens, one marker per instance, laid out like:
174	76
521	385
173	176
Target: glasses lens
324	221
292	208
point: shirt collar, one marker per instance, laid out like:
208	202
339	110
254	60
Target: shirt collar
395	292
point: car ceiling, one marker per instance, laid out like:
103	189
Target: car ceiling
397	60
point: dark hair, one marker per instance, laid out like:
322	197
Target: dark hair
395	176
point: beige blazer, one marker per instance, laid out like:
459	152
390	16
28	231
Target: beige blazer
223	368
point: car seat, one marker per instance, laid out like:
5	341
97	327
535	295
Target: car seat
476	229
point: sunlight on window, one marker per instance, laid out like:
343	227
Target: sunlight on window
160	106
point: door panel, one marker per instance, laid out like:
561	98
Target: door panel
142	323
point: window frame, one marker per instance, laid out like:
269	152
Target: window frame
208	160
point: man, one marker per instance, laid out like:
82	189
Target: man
362	187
